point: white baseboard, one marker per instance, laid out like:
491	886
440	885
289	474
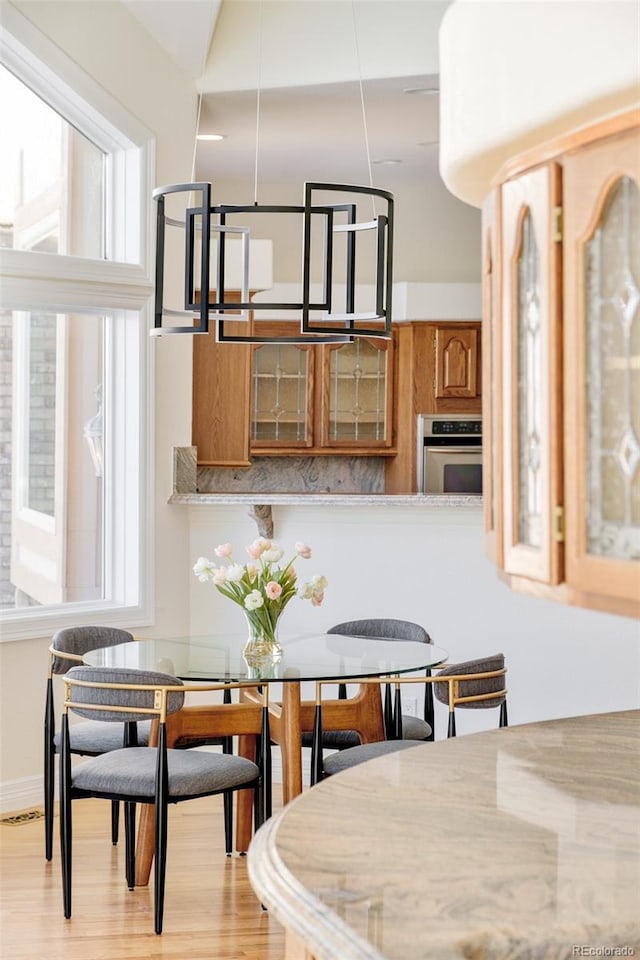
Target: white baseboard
23	794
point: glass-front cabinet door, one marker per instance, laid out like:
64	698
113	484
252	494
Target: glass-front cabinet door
491	364
357	401
281	396
602	366
531	376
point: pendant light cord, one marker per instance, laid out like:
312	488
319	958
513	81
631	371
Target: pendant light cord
258	92
195	139
362	107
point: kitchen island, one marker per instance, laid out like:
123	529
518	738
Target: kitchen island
514	844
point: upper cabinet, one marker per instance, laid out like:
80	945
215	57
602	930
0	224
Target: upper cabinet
438	370
328	398
561	274
276	399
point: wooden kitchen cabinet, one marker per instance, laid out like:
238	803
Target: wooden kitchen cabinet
561	275
291	399
339	398
438	370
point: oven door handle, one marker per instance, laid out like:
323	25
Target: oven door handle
470	448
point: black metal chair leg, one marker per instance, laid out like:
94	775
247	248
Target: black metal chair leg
451	731
65	818
162	794
115	821
130	843
504	722
228	822
316	747
49	771
227	747
388	712
429	713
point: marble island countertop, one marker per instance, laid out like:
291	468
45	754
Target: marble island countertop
516	844
347	482
330	499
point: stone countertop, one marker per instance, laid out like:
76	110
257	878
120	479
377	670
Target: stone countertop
516	844
328	499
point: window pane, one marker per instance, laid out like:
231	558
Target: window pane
51	178
51	432
40	410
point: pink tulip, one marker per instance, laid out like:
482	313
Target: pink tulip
273	590
223	550
317	599
303	550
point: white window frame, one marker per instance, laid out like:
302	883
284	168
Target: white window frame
121	290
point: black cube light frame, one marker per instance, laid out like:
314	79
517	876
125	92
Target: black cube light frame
199	218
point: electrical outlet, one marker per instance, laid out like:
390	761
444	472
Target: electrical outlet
410	706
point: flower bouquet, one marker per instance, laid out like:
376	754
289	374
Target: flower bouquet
262	587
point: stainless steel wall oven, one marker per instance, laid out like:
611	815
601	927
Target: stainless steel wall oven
449	454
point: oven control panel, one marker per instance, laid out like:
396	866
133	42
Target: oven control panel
454	427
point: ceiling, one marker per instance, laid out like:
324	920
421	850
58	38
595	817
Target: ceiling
306	130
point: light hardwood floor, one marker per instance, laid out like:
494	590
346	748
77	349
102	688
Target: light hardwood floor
211	912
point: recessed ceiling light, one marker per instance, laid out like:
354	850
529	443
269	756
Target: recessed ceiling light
426	91
211	136
386	163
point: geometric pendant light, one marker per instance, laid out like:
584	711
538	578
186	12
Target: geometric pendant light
203	233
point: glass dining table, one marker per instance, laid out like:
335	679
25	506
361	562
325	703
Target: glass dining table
305	658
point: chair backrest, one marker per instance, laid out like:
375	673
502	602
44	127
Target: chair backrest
384	628
140	704
79	640
477	687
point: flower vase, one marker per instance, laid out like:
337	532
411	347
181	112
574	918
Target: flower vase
262	646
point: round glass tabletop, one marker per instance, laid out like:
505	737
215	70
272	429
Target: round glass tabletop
309	657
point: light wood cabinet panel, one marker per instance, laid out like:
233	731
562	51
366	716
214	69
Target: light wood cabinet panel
491	365
448	352
531	352
561	275
456	363
221	401
602	366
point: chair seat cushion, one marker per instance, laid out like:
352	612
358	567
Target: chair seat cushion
414	728
132	773
334	739
93	737
346	759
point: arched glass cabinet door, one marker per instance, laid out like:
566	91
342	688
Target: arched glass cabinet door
531	376
602	366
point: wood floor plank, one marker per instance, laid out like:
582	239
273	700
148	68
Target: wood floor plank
211	912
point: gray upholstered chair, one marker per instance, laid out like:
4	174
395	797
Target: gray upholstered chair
87	739
414	728
92	738
155	775
474	683
485	688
